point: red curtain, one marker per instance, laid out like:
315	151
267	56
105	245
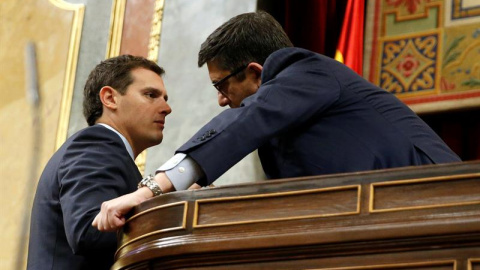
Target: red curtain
350	45
314	24
460	130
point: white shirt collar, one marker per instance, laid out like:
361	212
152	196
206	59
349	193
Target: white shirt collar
127	145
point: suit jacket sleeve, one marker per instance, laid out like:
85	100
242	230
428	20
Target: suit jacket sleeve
295	88
95	168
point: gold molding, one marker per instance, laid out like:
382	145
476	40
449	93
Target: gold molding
117	17
419	180
471	261
71	69
277	194
394	265
183	227
156	208
156	30
153	49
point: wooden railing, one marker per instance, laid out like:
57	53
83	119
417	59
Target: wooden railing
425	217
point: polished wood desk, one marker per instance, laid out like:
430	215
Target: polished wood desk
415	218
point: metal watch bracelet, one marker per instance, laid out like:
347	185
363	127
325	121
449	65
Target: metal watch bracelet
151	184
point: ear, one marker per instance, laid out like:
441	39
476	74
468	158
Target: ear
255	71
108	97
256	68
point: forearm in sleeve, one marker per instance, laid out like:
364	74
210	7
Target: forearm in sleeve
182	171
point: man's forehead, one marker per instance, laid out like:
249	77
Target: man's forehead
215	71
142	74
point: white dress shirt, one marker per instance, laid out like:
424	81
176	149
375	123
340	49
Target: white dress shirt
182	171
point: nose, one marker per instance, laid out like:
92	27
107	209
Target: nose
166	109
222	100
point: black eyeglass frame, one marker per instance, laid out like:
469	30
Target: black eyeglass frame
235	72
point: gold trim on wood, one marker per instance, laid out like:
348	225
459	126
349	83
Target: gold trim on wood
156	208
117	17
156	30
278	194
419	180
471	261
183	227
71	68
153	48
395	265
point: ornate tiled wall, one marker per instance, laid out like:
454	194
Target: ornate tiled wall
427	52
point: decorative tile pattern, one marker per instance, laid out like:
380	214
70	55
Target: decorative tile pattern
464	9
426	52
461	59
408	65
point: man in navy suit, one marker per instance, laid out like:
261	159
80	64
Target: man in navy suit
125	105
306	114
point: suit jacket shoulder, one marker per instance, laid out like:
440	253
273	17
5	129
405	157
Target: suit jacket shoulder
92	166
297	85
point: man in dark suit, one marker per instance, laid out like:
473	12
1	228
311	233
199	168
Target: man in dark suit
306	114
125	105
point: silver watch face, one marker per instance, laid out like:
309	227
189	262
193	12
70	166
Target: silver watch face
144	181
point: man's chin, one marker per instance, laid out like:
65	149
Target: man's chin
158	140
155	141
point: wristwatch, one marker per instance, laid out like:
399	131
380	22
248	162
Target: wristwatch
151	184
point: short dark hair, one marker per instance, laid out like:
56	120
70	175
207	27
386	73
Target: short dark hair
245	38
116	73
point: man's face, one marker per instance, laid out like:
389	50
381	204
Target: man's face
232	91
142	110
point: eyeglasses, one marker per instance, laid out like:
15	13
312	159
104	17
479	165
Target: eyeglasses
235	72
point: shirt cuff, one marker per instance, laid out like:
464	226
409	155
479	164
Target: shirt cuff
182	171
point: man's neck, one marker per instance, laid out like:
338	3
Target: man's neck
126	142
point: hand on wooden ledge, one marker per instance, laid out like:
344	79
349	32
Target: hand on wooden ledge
112	213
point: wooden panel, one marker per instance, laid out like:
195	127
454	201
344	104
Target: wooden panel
419	260
425	193
425	217
474	264
428	265
173	217
277	206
